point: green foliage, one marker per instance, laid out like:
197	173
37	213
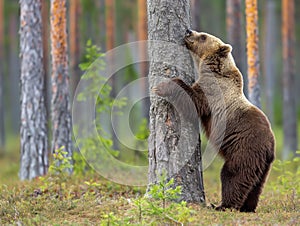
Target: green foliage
92	65
61	163
80	166
159	204
288	181
58	171
93	53
142	135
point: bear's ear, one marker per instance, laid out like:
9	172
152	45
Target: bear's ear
224	50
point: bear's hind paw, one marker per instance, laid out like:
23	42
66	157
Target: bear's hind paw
220	208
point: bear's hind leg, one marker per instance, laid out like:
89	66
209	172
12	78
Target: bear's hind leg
250	203
235	189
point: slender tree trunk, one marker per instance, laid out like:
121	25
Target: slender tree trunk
195	9
14	74
110	44
2	127
110	24
101	23
74	44
174	144
253	52
61	115
46	33
289	94
34	149
270	53
234	27
142	33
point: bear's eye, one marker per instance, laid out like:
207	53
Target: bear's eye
202	37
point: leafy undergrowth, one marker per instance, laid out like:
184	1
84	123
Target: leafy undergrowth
59	199
91	200
94	201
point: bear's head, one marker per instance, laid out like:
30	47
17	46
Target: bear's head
205	45
213	57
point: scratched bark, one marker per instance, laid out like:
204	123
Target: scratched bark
33	130
61	115
171	140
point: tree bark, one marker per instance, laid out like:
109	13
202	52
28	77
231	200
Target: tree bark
110	44
46	33
101	23
174	144
2	127
270	59
110	24
142	33
61	115
234	21
14	76
33	132
253	52
74	44
289	94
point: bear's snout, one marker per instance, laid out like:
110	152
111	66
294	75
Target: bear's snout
188	33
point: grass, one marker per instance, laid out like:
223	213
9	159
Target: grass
92	200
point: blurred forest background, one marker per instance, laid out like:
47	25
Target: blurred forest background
94	27
109	23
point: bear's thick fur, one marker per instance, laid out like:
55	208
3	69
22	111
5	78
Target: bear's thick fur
247	142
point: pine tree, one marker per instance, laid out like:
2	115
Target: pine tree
2	129
74	43
174	146
33	130
61	115
289	94
252	52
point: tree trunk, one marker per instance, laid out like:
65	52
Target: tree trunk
252	52
142	33
46	33
110	44
101	23
110	24
196	15
234	27
270	59
2	129
61	115
74	44
289	95
33	132
14	74
174	144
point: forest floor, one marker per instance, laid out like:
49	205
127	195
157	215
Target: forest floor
92	200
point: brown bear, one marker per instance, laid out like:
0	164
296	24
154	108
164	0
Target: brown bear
247	142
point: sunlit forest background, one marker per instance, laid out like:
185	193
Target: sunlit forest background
90	17
107	24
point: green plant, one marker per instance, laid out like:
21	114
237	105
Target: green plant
92	148
160	204
80	165
93	186
288	180
164	191
142	134
58	172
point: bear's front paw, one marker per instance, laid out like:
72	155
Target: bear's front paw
178	81
163	89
